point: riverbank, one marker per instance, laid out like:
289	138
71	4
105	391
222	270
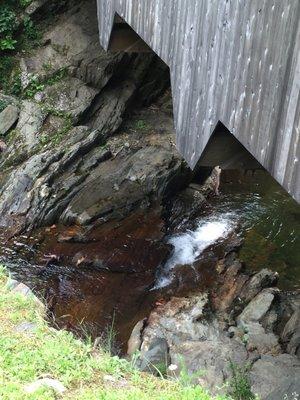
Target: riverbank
41	363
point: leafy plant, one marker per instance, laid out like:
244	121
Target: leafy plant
7	43
239	385
141	125
30	30
25	3
34	87
8	21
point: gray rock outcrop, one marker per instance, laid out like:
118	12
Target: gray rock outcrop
235	324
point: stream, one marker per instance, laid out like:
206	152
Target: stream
140	264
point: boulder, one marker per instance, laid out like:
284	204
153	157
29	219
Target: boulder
256	310
8	118
291	334
263	279
271	376
209	360
251	322
195	339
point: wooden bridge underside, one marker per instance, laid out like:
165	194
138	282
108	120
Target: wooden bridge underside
233	61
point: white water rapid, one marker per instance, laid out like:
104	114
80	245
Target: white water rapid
189	246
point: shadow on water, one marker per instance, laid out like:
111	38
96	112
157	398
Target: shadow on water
269	222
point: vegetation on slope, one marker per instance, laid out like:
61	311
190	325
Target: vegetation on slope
87	374
18	32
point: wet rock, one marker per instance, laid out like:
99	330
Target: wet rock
73	235
184	206
232	284
257	308
212	183
8	117
262	279
272	375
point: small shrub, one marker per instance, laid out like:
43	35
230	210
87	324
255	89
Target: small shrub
8	43
8	21
239	385
141	125
37	85
30	30
25	3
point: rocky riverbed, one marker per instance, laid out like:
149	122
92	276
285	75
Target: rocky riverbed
243	320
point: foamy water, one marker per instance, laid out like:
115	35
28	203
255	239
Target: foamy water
189	245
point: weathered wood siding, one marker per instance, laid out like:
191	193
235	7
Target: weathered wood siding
234	61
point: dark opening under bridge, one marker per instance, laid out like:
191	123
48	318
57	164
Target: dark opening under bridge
233	61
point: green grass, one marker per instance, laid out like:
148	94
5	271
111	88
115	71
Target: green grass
86	374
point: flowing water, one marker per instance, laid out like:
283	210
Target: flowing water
133	271
257	209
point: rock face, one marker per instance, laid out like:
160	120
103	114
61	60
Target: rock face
66	161
234	323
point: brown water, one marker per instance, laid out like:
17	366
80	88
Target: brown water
110	272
